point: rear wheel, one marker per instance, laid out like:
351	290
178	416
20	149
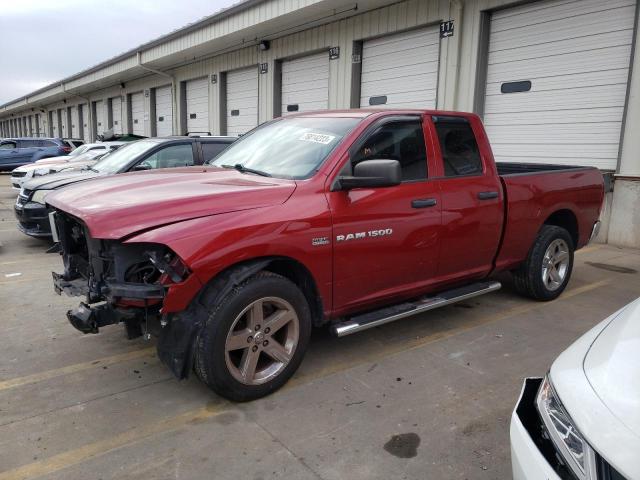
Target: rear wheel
546	272
254	339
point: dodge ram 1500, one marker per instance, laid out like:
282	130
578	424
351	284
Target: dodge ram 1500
346	218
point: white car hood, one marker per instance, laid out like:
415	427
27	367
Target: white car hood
612	366
38	166
45	161
597	381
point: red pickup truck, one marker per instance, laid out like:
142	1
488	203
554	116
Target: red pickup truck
347	218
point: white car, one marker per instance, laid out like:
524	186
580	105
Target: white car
78	158
582	421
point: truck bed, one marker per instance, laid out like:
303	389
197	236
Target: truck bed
537	193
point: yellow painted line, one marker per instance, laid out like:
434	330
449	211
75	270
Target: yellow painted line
101	447
75	368
334	368
87	452
20	280
378	354
588	249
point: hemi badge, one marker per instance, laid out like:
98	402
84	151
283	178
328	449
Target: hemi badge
315	242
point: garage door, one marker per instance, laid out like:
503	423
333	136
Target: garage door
197	93
137	113
62	113
164	111
401	70
305	83
242	100
75	122
99	120
116	112
84	119
53	123
557	81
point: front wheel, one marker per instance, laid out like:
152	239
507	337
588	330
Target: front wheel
254	338
546	272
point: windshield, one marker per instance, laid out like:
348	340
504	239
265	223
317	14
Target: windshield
91	155
116	161
289	148
79	151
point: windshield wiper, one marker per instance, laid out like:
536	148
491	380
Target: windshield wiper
241	168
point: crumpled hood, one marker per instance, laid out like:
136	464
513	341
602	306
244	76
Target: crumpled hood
119	205
612	366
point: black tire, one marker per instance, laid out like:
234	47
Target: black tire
528	278
210	350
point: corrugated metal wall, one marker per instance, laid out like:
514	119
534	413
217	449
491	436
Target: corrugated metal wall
460	62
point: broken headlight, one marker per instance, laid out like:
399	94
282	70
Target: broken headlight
169	265
573	448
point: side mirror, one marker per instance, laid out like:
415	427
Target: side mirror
142	166
371	173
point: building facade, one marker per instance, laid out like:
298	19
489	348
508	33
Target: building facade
556	81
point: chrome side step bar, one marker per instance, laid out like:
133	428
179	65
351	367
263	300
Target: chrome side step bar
396	312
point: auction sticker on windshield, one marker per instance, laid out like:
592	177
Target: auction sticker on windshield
317	138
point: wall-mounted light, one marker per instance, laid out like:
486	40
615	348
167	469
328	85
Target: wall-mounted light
264	45
122	85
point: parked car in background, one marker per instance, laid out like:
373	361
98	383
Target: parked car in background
147	154
73	142
15	152
323	218
83	156
582	421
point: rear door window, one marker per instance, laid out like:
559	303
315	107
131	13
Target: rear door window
8	145
460	153
172	156
211	150
46	143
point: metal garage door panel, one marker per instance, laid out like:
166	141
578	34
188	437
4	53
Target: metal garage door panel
137	113
84	108
75	132
403	68
242	100
63	120
99	118
578	69
116	111
53	119
521	18
197	93
305	83
164	111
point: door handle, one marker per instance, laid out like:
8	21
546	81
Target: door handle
424	203
487	195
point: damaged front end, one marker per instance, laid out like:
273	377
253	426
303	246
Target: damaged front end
121	282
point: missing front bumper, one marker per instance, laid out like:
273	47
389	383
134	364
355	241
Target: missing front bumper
111	291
